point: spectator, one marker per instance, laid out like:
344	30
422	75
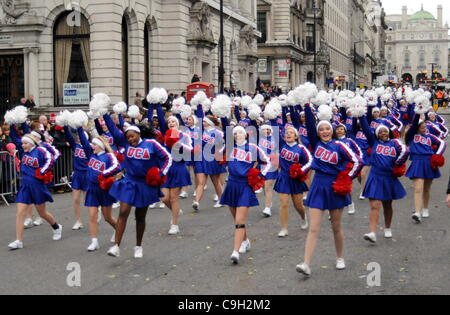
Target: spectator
138	100
30	102
195	78
5	137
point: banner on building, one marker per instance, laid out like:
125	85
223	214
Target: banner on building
262	65
76	93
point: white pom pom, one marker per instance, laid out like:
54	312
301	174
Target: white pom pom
427	94
304	93
186	111
134	112
371	97
201	97
358	106
194	103
254	112
20	114
246	101
78	119
177	105
120	108
103	100
63	118
206	104
322	98
412	95
380	91
92	115
273	109
259	99
237	101
153	96
386	97
291	100
163	96
325	113
342	101
423	105
9	117
221	106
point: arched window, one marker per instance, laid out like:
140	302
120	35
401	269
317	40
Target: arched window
72	59
125	76
422	64
310	77
147	56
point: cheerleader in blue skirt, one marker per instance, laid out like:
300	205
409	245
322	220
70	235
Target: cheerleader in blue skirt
146	165
388	158
330	188
194	133
102	167
361	140
238	194
80	167
36	173
178	144
424	148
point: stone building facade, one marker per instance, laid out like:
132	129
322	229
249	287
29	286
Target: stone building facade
121	47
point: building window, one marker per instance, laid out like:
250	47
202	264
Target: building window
72	55
147	56
262	27
125	77
310	37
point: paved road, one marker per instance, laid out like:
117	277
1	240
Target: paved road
416	261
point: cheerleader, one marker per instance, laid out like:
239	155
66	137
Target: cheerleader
140	187
436	126
244	180
330	187
388	160
361	140
205	165
266	142
80	168
36	173
178	175
194	133
102	167
425	149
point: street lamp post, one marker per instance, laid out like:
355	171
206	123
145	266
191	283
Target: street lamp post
221	44
354	60
314	40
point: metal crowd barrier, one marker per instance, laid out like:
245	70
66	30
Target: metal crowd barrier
62	170
9	177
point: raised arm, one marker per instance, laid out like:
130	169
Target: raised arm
118	136
98	127
16	139
85	143
161	119
180	119
311	126
26	129
367	131
295	116
69	137
413	130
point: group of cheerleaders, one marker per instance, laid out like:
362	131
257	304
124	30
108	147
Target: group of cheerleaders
309	161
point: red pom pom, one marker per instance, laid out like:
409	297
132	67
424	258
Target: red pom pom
255	180
343	185
171	138
369	151
120	157
106	182
154	177
434	147
59	128
47	178
399	171
405	117
159	137
437	161
296	172
396	134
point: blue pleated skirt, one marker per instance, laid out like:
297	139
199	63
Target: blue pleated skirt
286	185
322	196
421	168
79	180
97	197
33	192
178	176
135	192
238	193
383	186
209	168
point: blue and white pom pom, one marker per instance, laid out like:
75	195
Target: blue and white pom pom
246	101
254	111
120	108
325	113
221	106
177	105
273	109
358	106
423	105
78	119
134	112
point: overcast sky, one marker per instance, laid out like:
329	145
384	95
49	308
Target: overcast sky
395	7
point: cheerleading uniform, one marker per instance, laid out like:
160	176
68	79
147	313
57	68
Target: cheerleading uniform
433	129
106	135
421	149
133	189
361	140
381	183
105	164
80	163
268	145
330	159
32	190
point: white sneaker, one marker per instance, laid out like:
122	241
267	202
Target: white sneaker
417	218
387	233
99	215
216	198
194	194
283	233
196	206
371	237
116	205
235	257
94	246
245	247
114	251
351	209
113	238
28	224
218	205
78	226
425	213
259	191
174	230
138	252
267	212
305	197
15	245
362	197
153	206
184	195
340	264
38	221
206	188
305	224
304	269
162	205
57	234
